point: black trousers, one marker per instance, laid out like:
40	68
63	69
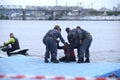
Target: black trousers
8	50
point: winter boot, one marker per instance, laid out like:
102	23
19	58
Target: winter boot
81	60
62	59
72	59
46	61
67	60
87	60
51	59
55	61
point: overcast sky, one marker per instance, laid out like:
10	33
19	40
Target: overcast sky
97	4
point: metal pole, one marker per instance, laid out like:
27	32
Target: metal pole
56	2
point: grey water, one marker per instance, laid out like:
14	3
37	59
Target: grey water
106	34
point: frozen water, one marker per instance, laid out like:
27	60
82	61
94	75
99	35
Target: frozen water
105	45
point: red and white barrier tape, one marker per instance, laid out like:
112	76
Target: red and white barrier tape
52	77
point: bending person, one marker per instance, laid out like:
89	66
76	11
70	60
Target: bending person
74	38
85	45
50	41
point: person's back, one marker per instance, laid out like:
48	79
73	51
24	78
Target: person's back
50	42
85	44
16	45
86	34
53	33
74	36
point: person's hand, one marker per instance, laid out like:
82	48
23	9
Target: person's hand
57	41
66	44
5	44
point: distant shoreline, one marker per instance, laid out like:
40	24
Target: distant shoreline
69	20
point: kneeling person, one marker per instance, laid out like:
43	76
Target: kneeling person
64	58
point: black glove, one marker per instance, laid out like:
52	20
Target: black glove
57	41
66	43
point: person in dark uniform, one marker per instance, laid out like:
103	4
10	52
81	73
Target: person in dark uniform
14	44
85	45
74	38
50	41
72	53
